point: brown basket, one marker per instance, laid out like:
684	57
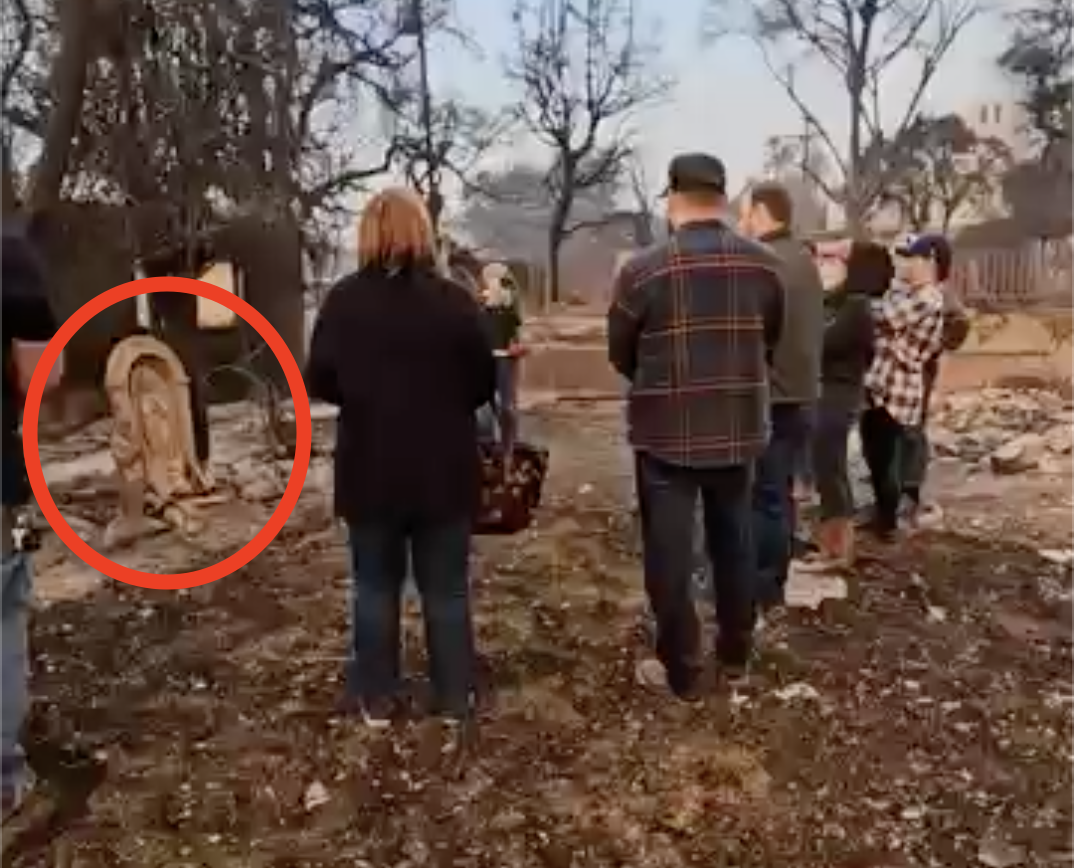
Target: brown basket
512	480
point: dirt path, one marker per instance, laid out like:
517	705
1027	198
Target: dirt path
926	720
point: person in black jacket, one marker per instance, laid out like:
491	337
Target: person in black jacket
404	353
847	351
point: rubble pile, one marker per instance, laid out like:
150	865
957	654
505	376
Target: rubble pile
1008	431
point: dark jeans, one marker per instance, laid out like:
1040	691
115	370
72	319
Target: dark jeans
914	451
667	495
914	457
835	417
775	516
440	555
881	444
804	472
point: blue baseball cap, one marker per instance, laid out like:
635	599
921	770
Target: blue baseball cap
929	246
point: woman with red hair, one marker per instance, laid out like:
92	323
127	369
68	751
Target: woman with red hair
403	352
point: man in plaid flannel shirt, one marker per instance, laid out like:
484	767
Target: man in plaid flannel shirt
909	334
692	325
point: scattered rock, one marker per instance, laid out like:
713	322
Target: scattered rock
936	615
1010	430
797	690
1060	439
316	795
1018	455
996	853
1060	557
260	488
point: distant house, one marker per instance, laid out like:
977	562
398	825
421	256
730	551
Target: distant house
1004	120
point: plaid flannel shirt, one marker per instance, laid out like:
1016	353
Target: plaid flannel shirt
691	326
909	332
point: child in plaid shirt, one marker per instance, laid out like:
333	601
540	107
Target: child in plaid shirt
909	334
914	461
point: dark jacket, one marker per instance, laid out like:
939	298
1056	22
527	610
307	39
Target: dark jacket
848	346
691	325
503	322
408	361
796	362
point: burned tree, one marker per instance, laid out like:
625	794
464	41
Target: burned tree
508	212
199	118
863	42
582	73
937	166
436	138
1039	57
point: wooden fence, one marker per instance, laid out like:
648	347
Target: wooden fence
1037	275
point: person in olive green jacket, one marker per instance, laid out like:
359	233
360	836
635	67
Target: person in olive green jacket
794	385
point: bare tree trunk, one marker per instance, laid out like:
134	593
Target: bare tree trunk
10	199
555	242
557	234
68	85
855	204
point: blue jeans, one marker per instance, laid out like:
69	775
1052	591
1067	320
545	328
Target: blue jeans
506	381
804	471
17	589
775	516
440	557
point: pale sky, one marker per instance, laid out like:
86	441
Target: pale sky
724	102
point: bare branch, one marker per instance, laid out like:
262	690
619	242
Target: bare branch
786	81
861	42
582	73
24	31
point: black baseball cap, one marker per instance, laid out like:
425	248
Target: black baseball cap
929	246
696	173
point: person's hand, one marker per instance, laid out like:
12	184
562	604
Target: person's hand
517	350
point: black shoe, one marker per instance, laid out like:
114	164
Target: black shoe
734	674
692	693
882	532
651	674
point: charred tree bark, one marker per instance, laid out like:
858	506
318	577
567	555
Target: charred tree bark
68	85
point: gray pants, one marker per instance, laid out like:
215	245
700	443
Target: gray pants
17	590
836	416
